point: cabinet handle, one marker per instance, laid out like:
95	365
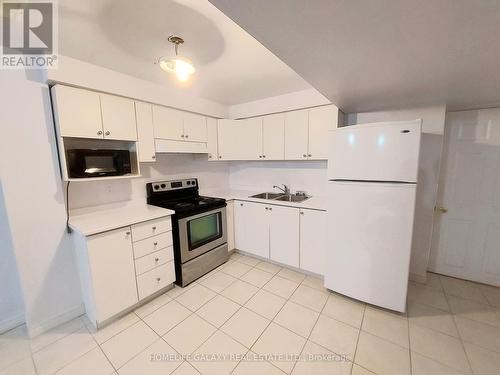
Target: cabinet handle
154	228
309	155
264	156
270	209
187	135
304	155
210	156
99	132
260	156
158	279
155	243
267	208
302	212
157	259
241	204
182	135
220	157
107	133
127	233
153	157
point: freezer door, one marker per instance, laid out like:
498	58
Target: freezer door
378	152
369	230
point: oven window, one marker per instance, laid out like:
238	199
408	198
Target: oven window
97	164
204	229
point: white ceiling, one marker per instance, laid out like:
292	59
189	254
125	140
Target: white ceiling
371	55
127	36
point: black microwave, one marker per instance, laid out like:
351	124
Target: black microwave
84	163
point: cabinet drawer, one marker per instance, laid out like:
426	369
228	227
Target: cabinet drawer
156	279
152	244
150	228
153	260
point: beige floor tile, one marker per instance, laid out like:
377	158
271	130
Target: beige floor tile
387	325
93	362
157	359
265	303
235	255
281	287
23	367
250	261
420	294
177	290
245	326
189	334
218	310
295	276
315	282
382	356
268	267
207	276
358	370
434	281
153	305
282	344
344	309
445	349
222	346
479	334
218	282
56	333
257	277
318	360
64	351
297	318
14	346
492	294
196	297
336	336
236	269
240	291
256	366
167	317
483	361
125	345
186	369
112	329
463	289
432	318
425	366
479	312
313	298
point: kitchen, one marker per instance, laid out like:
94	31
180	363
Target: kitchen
273	280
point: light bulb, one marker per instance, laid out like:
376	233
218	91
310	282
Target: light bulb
181	66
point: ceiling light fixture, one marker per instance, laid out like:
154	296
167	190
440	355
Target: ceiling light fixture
180	65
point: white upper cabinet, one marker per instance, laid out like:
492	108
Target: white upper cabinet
321	120
296	135
145	132
313	240
195	127
240	139
273	137
284	235
77	112
168	123
118	118
212	139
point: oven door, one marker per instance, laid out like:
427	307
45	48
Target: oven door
201	233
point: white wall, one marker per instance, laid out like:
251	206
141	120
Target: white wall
430	158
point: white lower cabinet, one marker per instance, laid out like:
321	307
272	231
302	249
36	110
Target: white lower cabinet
312	240
230	225
284	235
251	231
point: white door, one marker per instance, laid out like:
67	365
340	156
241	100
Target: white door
240	139
284	235
378	152
296	134
118	118
195	127
112	270
145	132
321	121
466	239
251	228
168	123
212	142
369	235
273	137
77	112
313	241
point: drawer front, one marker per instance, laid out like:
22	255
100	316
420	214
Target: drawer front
151	228
153	260
156	279
152	244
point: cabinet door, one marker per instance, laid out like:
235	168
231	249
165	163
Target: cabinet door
195	127
321	120
313	240
112	271
212	145
118	118
251	228
240	139
145	132
77	112
230	225
296	135
273	137
168	123
284	235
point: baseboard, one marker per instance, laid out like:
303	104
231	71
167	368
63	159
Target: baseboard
418	278
39	328
11	322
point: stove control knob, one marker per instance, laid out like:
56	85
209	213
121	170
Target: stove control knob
189	182
163	186
193	182
156	187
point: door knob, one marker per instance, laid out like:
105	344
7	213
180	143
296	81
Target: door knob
441	209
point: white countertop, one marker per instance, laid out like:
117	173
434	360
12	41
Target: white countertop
314	202
97	219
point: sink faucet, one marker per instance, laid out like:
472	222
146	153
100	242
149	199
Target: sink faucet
285	189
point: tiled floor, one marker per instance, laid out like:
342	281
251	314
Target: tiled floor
252	317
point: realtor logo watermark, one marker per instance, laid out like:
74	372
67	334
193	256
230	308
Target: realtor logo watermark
29	35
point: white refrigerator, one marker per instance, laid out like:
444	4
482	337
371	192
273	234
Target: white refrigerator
372	182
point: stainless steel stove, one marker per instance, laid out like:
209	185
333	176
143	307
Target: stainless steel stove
198	227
